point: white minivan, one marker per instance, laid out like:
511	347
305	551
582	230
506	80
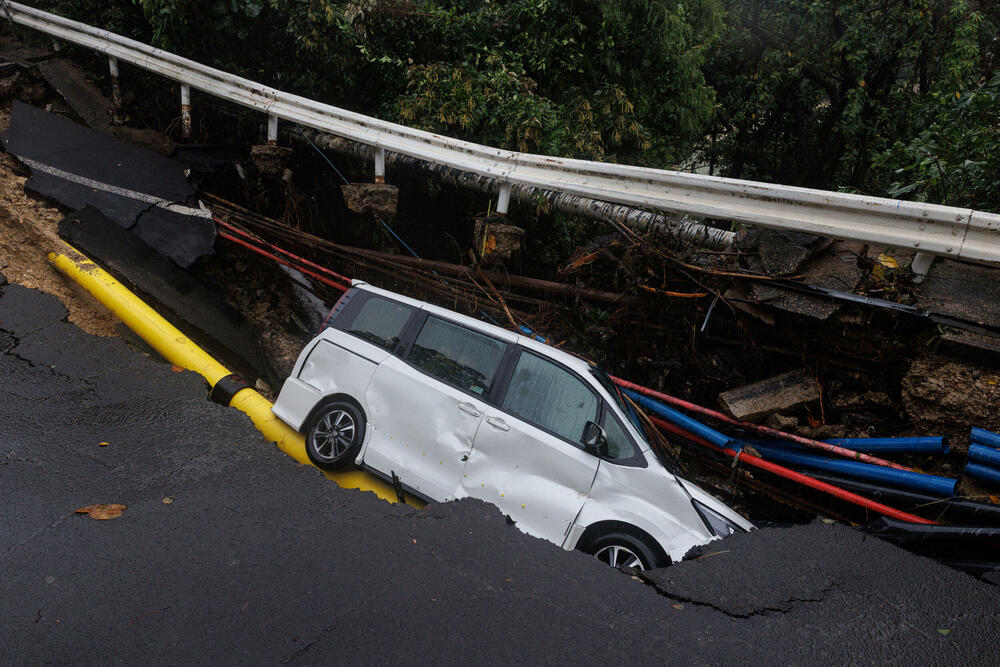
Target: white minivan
447	407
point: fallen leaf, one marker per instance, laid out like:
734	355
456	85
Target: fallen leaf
944	631
995	499
678	606
887	261
828	521
167	500
813	422
103	444
244	607
102	512
177	369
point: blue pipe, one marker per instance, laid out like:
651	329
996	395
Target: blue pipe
986	456
893	445
939	486
682	420
528	332
981	436
983	472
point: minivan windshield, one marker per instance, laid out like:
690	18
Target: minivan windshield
616	394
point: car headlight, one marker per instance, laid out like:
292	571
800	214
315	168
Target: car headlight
717	523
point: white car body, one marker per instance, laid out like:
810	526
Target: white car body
494	435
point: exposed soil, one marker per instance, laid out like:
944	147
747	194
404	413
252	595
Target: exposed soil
945	396
27	234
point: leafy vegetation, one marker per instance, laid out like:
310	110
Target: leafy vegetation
890	97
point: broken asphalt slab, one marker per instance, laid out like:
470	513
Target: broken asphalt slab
256	559
139	190
195	305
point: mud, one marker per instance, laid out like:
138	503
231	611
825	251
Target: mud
28	232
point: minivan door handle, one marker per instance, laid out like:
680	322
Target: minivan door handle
496	422
469	409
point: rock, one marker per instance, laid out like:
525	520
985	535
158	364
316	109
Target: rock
380	199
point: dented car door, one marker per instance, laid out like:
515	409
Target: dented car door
427	406
527	457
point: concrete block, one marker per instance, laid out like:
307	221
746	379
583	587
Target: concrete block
770	395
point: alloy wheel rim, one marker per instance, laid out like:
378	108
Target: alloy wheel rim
618	557
333	435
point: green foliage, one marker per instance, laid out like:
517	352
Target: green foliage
953	158
811	90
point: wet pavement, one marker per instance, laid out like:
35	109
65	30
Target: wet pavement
230	552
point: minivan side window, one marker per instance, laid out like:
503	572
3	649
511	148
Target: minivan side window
551	397
375	319
461	357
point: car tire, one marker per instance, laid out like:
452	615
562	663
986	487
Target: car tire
334	433
621	550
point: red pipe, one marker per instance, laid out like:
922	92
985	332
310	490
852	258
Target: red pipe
815	444
805	480
302	260
259	251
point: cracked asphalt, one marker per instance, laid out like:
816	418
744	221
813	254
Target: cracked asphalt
256	559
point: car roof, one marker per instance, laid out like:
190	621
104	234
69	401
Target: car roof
576	363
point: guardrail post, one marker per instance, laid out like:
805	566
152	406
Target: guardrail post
503	199
920	265
185	111
380	165
116	91
272	129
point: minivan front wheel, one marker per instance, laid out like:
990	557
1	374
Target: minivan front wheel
334	435
620	550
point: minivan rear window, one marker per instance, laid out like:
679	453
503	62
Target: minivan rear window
375	319
457	356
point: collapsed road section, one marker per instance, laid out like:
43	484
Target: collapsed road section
227	551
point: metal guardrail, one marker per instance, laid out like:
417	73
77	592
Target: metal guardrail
927	228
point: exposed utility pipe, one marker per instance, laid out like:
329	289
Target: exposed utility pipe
986	456
983	472
635	219
935	445
968	509
981	436
179	350
943	487
791	475
774	433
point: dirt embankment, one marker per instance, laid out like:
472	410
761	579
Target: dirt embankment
27	234
945	396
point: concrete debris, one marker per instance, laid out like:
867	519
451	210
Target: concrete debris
494	239
773	394
835	269
379	199
270	160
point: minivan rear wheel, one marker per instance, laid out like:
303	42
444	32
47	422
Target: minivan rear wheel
334	434
620	550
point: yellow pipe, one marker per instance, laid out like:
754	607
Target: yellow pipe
179	350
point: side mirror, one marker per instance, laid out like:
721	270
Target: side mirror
594	439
